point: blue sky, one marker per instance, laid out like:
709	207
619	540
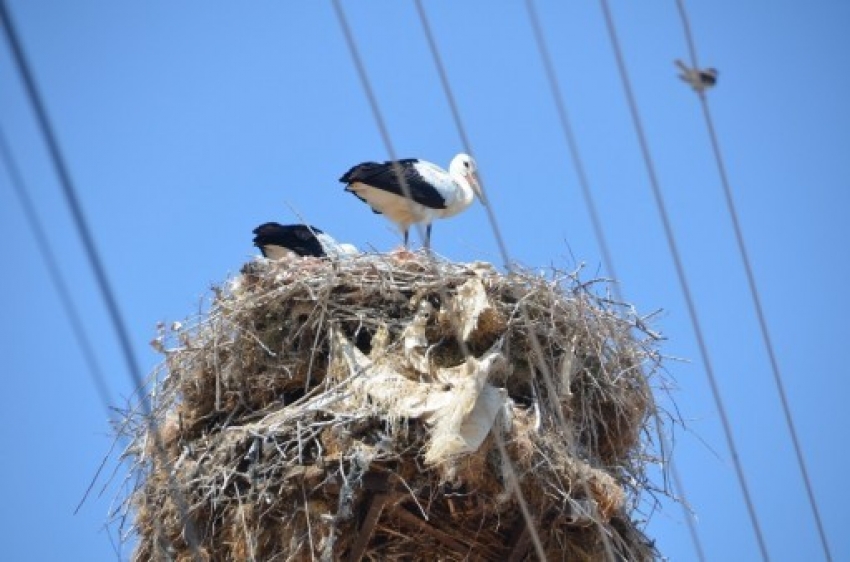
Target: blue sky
187	124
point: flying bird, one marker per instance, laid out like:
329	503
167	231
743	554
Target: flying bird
700	79
277	240
412	191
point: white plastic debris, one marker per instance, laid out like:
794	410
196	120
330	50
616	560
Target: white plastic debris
415	341
470	302
460	407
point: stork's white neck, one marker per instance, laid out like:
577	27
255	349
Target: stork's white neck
465	195
459	174
334	249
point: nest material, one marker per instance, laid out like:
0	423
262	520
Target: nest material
328	410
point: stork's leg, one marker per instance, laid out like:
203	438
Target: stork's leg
428	236
403	253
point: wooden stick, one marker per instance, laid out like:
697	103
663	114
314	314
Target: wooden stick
407	517
519	543
376	507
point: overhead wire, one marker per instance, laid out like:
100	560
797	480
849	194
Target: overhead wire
43	244
373	104
536	347
599	231
72	200
572	145
378	115
464	137
95	372
384	131
81	225
752	285
54	272
682	278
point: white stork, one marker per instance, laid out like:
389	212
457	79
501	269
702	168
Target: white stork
414	191
276	241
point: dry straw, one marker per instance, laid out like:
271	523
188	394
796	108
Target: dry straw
324	410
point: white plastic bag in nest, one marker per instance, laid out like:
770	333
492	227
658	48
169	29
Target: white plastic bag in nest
461	407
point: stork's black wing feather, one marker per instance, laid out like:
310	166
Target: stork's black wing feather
300	238
385	176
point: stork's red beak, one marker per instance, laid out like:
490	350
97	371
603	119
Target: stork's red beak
472	178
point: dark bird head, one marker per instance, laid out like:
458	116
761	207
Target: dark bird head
708	76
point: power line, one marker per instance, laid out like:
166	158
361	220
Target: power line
751	282
55	273
81	224
599	231
680	272
572	144
373	105
378	115
71	198
464	138
536	347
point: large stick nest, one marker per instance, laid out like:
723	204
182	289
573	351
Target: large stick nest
387	409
